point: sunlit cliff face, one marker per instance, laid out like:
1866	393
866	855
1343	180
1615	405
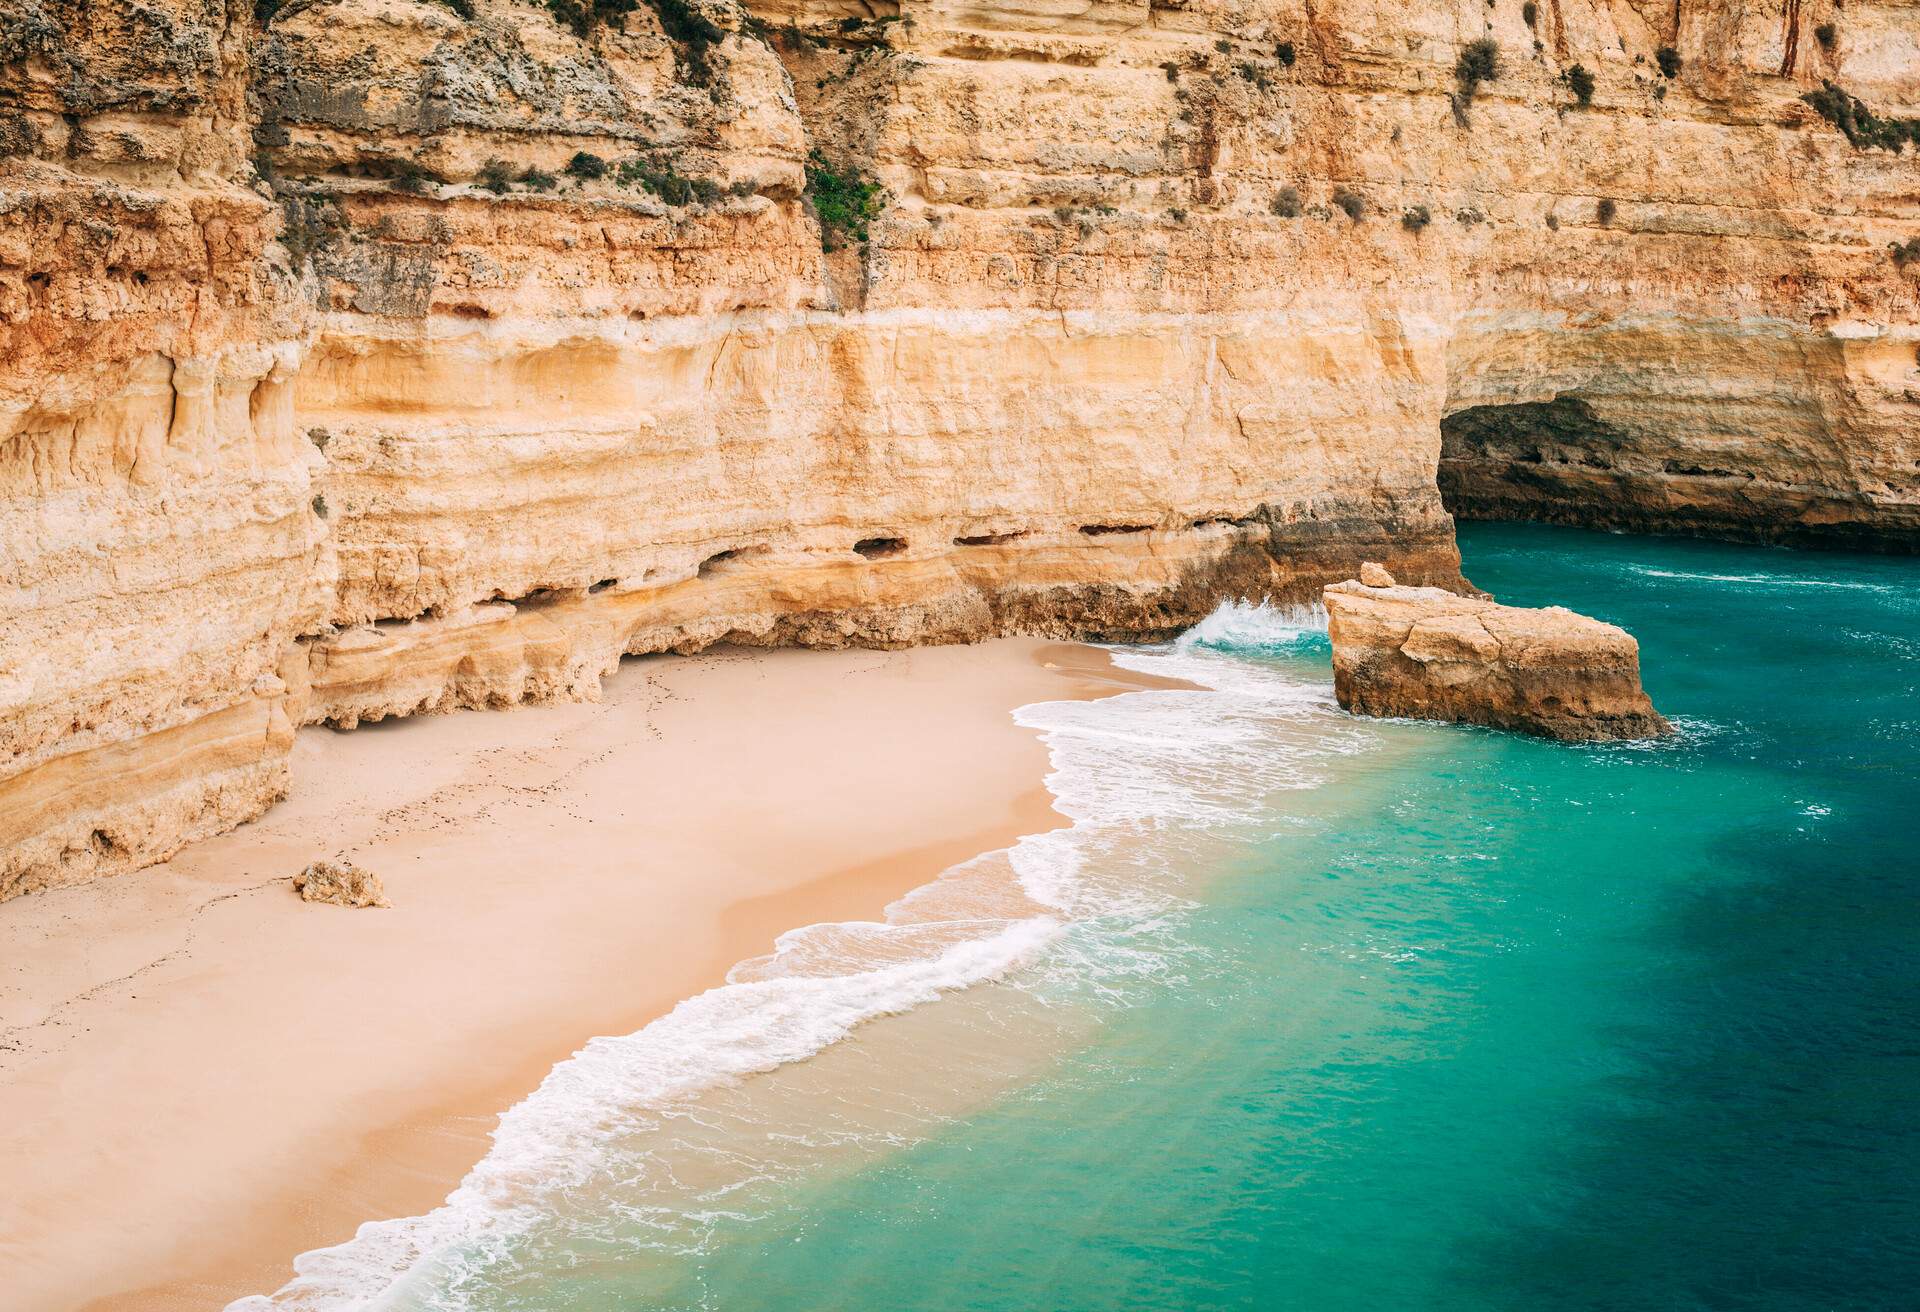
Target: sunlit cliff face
1154	304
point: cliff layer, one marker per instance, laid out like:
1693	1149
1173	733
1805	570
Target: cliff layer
365	357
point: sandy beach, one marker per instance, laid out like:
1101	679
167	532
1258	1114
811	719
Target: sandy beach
201	1076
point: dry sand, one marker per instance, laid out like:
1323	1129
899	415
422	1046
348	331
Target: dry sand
202	1076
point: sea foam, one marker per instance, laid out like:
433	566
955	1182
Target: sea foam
1146	778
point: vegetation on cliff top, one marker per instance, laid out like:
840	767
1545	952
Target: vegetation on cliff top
693	34
584	15
264	11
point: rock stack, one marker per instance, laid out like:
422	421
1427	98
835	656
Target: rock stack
1429	654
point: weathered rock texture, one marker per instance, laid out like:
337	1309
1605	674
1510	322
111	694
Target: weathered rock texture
472	427
341	883
1430	654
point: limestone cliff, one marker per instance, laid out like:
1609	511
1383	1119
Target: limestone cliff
583	334
159	554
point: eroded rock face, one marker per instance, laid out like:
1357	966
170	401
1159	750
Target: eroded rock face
378	359
1429	654
159	552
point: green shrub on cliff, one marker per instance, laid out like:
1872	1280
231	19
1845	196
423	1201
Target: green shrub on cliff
496	175
691	32
1580	82
584	15
1479	62
1863	128
845	203
411	178
659	177
587	167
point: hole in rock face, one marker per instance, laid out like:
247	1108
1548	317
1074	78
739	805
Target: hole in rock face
1105	530
720	561
603	585
876	548
990	539
468	310
1226	521
101	842
538	597
39	280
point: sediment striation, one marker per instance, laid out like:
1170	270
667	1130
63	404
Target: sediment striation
1430	654
362	358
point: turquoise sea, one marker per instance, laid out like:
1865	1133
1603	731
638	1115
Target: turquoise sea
1309	1013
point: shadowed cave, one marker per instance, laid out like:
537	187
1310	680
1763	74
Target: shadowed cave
1558	462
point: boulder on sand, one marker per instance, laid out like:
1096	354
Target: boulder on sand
342	883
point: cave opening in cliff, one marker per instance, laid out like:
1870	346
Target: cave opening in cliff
1543	460
880	548
721	561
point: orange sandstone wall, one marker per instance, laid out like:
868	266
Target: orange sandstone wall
328	393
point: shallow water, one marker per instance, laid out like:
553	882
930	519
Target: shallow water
1307	1013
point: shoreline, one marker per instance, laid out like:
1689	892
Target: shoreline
286	1100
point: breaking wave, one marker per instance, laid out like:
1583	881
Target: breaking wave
1763	580
1151	782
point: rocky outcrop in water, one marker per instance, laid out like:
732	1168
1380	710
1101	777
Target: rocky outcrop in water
1429	654
363	358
